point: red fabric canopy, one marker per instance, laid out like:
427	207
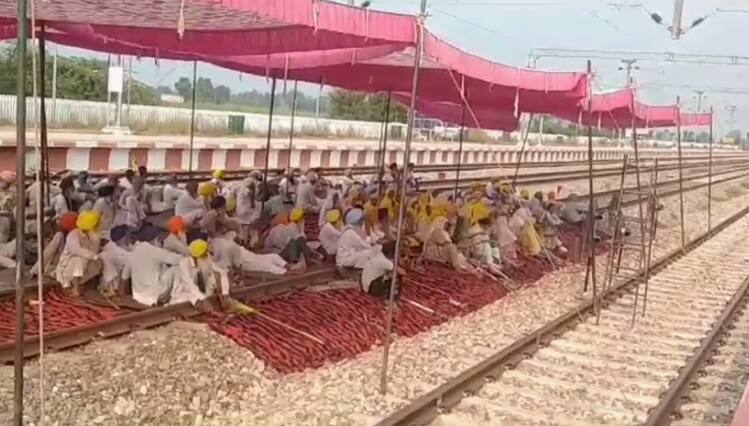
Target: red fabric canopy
306	40
696	119
448	74
449	112
620	110
223	27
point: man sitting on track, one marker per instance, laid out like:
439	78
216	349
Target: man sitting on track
331	233
176	241
190	206
115	260
286	239
152	268
215	222
79	261
197	277
376	276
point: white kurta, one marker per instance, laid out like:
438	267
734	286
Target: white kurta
329	236
177	245
115	262
353	249
60	205
373	268
105	208
305	197
245	213
171	194
189	208
229	254
80	249
280	235
150	275
133	210
185	287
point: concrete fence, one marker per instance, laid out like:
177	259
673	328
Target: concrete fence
74	114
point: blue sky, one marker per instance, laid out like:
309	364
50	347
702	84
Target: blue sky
507	30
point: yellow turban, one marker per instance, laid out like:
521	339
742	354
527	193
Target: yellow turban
198	248
333	216
297	215
218	173
87	221
208	190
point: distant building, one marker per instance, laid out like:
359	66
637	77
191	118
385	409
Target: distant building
172	99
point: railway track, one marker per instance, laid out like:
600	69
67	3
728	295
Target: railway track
140	319
572	371
185	176
156	316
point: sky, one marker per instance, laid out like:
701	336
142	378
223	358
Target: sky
507	31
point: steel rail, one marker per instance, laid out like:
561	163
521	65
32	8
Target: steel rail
667	409
568	175
425	409
153	317
234	174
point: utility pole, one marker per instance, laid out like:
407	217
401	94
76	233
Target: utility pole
628	66
54	86
676	30
700	95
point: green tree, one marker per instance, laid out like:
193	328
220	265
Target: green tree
349	105
183	86
223	94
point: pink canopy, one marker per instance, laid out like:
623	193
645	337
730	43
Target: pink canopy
307	40
620	110
449	112
222	27
448	74
696	119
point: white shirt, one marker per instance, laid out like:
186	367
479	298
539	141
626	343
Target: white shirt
352	249
305	197
60	205
280	235
245	212
176	244
148	267
185	287
115	262
329	236
189	207
171	194
376	266
132	207
105	208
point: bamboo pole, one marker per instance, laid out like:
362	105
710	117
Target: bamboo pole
591	267
402	205
460	152
522	151
270	133
681	174
291	128
192	112
383	152
710	175
23	30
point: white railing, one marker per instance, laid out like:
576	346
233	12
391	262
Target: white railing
74	114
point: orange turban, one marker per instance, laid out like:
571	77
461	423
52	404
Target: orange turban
176	224
67	221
